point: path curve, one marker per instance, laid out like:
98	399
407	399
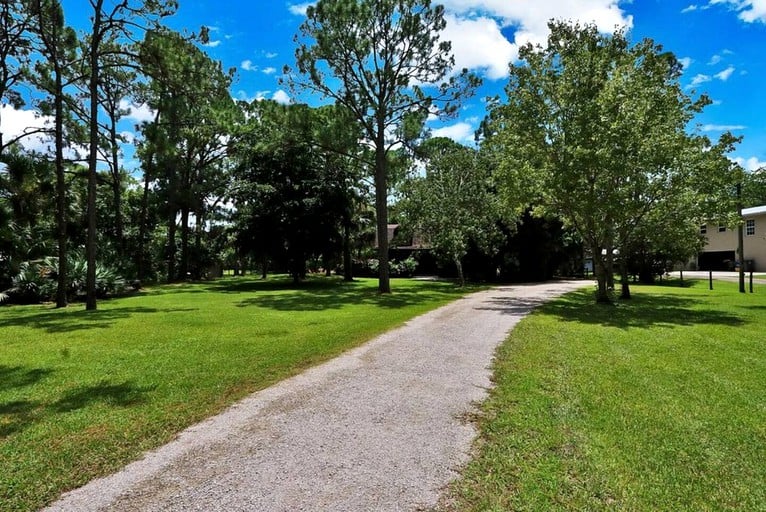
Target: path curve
381	427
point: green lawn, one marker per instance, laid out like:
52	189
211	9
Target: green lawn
83	393
653	404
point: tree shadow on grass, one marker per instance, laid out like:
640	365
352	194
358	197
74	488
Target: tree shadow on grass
62	321
12	377
116	395
17	415
642	311
336	295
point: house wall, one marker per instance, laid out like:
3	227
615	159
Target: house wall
754	245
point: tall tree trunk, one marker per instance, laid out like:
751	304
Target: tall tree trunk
381	213
61	206
460	275
142	228
624	279
117	190
171	255
184	271
602	293
90	300
740	240
198	230
348	265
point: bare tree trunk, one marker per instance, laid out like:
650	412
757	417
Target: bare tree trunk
61	209
143	220
90	300
348	264
460	275
381	214
602	293
172	246
184	271
117	190
740	240
624	280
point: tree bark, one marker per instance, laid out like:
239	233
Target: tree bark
381	213
740	240
348	264
602	293
184	270
61	209
171	255
117	189
624	280
90	300
460	275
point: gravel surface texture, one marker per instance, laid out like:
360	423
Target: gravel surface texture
382	427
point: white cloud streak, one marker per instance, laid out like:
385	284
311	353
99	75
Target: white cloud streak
750	164
459	132
723	127
300	9
749	11
282	97
725	74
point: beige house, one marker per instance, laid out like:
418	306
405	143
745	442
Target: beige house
720	252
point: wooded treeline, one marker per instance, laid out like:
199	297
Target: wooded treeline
590	153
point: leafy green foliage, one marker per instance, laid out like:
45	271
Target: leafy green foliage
453	205
594	128
384	61
36	281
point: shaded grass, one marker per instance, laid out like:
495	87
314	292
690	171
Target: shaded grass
82	393
653	404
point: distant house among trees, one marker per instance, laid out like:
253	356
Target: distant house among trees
720	248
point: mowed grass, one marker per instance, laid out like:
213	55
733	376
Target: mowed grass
653	404
82	393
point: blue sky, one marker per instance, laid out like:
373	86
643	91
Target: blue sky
721	43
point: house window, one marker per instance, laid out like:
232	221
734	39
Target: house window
703	229
721	228
750	227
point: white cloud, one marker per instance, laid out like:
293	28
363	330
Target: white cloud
137	113
269	70
212	44
690	8
715	59
750	164
14	123
271	55
300	9
748	10
700	79
725	74
530	17
459	132
258	96
281	97
723	127
474	27
478	44
247	65
686	62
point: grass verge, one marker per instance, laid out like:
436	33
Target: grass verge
658	403
82	393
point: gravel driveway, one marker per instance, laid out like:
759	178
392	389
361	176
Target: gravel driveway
380	428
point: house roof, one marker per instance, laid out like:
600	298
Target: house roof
756	210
